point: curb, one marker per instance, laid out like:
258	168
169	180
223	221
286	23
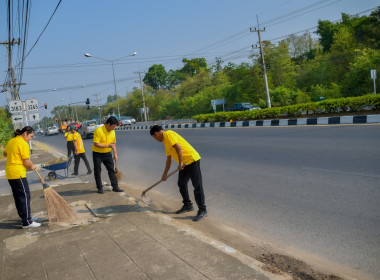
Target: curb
282	122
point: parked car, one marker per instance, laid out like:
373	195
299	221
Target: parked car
38	132
127	120
51	131
88	128
243	107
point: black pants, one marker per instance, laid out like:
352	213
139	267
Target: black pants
193	172
107	160
77	160
70	148
21	195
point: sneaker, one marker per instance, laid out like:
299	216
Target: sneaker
200	215
117	190
89	172
185	208
32	225
101	191
74	174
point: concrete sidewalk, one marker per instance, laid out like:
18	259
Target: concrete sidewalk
116	237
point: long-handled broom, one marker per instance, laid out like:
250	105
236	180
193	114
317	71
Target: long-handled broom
59	211
118	173
146	198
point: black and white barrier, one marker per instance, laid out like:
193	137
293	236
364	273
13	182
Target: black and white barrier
281	122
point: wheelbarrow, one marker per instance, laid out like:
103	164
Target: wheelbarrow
58	166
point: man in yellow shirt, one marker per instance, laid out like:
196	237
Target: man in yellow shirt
18	160
188	161
79	151
105	141
70	142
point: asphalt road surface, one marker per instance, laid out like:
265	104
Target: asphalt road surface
314	188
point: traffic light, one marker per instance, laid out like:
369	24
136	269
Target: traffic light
56	120
45	106
88	101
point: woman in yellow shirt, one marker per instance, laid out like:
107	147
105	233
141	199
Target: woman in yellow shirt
79	152
18	160
70	142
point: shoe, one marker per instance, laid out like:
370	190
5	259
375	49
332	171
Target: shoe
74	174
89	172
32	225
200	215
101	191
117	190
185	208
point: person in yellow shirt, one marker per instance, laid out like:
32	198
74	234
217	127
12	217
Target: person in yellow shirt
79	151
105	141
188	161
70	142
18	160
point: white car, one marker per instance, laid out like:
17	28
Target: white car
51	131
127	120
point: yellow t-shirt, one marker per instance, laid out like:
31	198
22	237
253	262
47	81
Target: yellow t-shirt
70	136
189	154
79	141
105	137
17	150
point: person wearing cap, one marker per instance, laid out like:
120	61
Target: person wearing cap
105	141
79	151
188	161
70	142
18	160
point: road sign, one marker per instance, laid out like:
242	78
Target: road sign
218	101
17	119
15	107
373	74
34	117
31	105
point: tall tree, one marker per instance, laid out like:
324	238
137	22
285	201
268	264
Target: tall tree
156	77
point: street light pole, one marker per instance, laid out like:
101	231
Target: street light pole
114	80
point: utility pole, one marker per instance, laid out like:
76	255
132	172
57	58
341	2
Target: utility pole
263	61
142	94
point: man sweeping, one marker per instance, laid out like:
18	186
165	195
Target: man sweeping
79	151
188	165
104	142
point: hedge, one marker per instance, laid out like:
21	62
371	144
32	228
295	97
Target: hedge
330	106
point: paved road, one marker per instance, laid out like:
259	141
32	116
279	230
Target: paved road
312	188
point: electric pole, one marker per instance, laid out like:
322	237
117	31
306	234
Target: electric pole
142	94
263	62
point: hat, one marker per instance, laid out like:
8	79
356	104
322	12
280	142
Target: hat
72	127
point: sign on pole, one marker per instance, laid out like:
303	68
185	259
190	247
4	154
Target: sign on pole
31	105
34	117
17	119
217	102
373	77
15	107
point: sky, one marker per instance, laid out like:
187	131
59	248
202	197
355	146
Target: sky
164	32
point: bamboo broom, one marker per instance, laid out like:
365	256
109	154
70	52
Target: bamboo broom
59	211
118	173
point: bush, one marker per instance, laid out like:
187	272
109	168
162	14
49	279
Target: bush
353	104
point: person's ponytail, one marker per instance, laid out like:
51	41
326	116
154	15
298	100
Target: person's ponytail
28	129
17	132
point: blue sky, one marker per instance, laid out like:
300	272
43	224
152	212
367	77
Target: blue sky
161	32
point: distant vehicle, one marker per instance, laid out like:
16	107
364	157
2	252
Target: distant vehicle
38	132
51	131
245	106
62	124
77	125
88	128
127	120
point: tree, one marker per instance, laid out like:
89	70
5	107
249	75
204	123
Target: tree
193	66
299	45
156	77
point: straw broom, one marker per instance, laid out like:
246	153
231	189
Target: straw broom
118	173
59	211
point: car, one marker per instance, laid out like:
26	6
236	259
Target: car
128	120
88	128
38	132
51	131
77	125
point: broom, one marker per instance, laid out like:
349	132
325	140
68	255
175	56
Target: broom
118	173
59	211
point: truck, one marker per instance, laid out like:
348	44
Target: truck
88	128
243	107
63	123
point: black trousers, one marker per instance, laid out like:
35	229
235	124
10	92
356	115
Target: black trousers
21	195
107	160
70	148
193	172
77	160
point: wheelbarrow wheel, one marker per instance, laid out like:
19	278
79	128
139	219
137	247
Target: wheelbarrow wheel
52	175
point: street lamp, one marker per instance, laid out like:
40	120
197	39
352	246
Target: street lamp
114	81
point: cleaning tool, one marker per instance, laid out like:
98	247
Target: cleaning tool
146	198
59	211
118	173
